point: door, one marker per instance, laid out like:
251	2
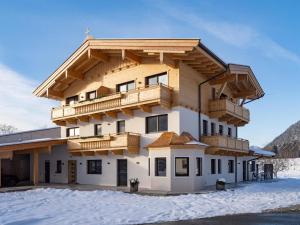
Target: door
47	171
72	171
122	172
244	170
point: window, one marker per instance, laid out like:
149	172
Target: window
213	128
219	166
160	167
58	166
94	166
252	166
199	166
205	124
121	126
221	129
72	100
213	166
229	132
73	131
230	166
161	78
181	166
98	129
124	87
91	95
156	123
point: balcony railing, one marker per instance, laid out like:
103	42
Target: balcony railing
153	95
224	142
227	111
115	143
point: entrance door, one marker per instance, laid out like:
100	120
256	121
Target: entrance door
244	170
122	172
72	171
47	171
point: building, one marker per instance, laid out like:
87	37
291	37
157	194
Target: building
165	111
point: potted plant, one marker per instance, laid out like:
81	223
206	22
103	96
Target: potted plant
220	184
134	184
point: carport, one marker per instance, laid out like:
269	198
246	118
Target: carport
31	147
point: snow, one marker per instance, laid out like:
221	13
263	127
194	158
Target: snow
259	151
64	206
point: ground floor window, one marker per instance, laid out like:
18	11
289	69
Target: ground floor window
181	166
94	166
213	166
252	166
58	166
230	166
160	167
219	166
199	166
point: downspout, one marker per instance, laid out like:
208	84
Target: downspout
200	96
254	99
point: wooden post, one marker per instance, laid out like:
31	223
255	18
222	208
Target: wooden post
35	167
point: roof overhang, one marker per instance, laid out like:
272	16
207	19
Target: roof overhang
94	51
7	149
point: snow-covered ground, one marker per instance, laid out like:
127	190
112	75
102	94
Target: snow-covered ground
58	206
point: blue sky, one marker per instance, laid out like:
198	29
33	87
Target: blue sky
37	36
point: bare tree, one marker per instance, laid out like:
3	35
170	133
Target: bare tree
7	129
279	164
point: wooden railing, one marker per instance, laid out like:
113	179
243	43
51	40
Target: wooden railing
158	93
221	106
226	142
125	141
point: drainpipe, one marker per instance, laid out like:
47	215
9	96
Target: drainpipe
254	99
235	169
200	96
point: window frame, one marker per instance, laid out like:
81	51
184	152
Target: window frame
74	97
199	166
96	129
219	166
230	166
221	130
157	79
72	128
157	124
157	172
205	127
212	128
58	167
187	167
229	132
118	127
126	83
89	93
213	166
89	167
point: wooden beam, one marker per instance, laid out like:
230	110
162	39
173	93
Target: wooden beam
52	93
221	90
96	116
74	74
88	153
244	94
97	54
127	112
112	114
6	155
60	123
101	152
118	152
131	56
164	59
226	78
71	121
85	119
145	108
35	167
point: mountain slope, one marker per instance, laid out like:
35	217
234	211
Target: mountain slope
288	143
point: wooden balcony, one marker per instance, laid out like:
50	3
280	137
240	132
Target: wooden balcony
223	145
227	111
117	144
143	99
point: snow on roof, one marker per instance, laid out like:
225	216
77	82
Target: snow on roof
195	143
30	141
259	151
